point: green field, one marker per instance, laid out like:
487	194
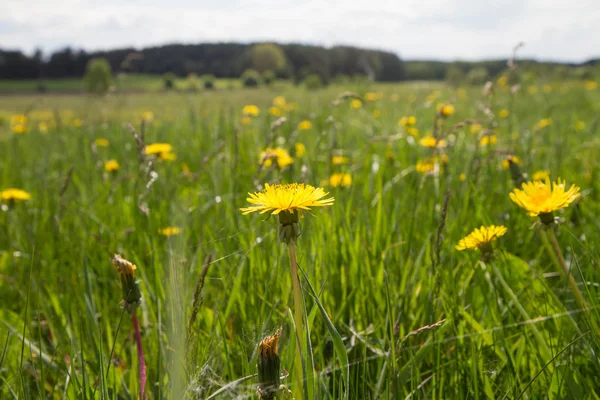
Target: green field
392	309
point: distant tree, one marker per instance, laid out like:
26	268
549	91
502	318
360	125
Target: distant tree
455	75
267	57
477	76
98	76
169	80
268	77
250	78
313	81
208	81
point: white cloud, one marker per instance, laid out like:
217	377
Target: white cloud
440	29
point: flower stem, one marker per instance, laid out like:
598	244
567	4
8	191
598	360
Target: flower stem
559	260
141	361
298	321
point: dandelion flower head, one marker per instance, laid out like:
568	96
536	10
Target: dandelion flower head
286	197
543	197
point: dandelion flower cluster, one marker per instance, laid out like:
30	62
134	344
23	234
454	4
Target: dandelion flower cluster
281	157
340	179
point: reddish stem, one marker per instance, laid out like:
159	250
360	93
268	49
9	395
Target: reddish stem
141	361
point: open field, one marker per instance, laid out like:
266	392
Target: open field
392	309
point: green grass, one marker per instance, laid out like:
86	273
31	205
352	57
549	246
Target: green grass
384	287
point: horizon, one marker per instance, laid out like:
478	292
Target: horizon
433	30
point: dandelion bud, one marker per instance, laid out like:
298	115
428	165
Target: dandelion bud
132	296
289	226
268	367
515	172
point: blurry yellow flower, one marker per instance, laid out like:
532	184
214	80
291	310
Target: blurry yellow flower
503	113
340	179
434	96
281	157
339	160
157	148
462	177
19	129
590	85
370	96
502	81
77	123
405	122
506	162
356	103
251	110
425	166
542	123
147	116
476	128
547	88
111	166
279	101
300	150
412	131
168	156
169	231
532	89
100	142
290	106
541	175
124	267
481	238
376	113
488	139
428	141
542	198
446	110
43	127
185	170
305	125
579	125
12	194
275	111
18	119
244	121
292	198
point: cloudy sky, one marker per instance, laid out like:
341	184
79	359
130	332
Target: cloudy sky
567	30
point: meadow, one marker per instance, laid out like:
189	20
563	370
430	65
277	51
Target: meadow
391	308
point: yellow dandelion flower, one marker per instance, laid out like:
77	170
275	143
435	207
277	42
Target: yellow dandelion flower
410	120
370	96
43	127
376	113
462	177
12	194
169	231
425	166
532	89
339	160
275	111
111	166
475	129
446	110
340	179
279	155
543	123
579	125
292	198
503	113
168	156
543	198
356	103
77	123
251	110
591	85
18	119
19	129
300	149
428	141
158	148
488	140
506	162
412	131
279	101
147	116
502	81
305	125
481	238
541	175
101	142
124	267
